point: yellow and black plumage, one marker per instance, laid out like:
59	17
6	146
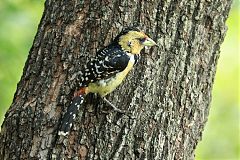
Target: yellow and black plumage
107	70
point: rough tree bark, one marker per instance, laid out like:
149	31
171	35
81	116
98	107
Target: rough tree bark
167	94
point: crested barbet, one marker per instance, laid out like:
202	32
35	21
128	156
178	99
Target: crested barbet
107	71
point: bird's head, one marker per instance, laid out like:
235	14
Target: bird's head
133	40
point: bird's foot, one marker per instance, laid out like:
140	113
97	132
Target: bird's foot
113	106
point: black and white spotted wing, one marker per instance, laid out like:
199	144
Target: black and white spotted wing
106	64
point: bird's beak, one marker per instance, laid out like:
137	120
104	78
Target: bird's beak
149	42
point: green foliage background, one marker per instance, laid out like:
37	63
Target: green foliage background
18	25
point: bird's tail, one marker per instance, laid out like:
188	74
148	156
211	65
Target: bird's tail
70	115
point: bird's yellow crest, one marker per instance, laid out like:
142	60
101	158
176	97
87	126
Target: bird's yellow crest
135	41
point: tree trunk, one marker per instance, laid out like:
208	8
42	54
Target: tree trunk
167	94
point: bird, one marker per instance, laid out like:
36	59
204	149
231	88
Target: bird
106	71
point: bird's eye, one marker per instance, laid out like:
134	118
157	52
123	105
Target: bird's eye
129	44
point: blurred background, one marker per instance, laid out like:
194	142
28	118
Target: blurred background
19	20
